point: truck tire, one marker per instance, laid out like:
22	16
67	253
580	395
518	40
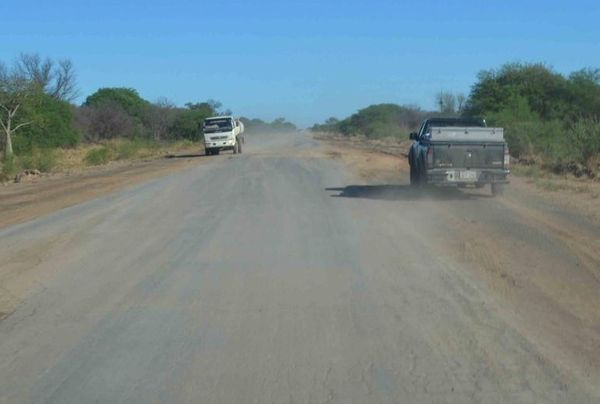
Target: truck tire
413	170
421	173
240	146
497	189
235	148
207	152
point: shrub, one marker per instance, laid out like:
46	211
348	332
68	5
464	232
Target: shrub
377	121
526	133
128	149
97	156
51	126
187	124
39	159
126	98
8	168
584	140
105	121
547	118
377	130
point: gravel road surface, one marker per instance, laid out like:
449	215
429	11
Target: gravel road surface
276	276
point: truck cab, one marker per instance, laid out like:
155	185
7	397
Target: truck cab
459	152
222	133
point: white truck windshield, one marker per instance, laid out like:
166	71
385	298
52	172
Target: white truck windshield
217	125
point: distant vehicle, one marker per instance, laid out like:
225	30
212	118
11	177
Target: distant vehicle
459	152
223	133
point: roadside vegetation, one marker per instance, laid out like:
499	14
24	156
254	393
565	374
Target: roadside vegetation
376	121
551	121
41	125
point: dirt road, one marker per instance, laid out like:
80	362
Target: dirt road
295	273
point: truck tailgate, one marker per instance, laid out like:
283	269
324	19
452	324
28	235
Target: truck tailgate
468	155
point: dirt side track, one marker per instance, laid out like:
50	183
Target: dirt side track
34	198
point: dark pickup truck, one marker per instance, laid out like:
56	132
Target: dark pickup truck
459	152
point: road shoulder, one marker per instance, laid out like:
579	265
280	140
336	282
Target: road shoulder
45	194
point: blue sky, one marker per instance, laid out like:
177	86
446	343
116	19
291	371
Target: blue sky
305	60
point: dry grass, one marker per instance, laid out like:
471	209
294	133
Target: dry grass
549	182
74	160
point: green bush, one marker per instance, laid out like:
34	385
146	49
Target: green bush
51	126
584	140
547	117
549	94
97	156
526	133
127	98
8	168
187	124
38	159
128	149
378	130
377	121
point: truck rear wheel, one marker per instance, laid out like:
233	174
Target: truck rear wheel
497	189
240	147
421	174
235	148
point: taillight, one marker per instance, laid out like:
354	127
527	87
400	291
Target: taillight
430	157
506	157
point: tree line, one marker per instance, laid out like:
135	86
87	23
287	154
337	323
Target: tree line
37	111
549	118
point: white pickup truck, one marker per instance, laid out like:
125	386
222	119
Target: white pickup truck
223	133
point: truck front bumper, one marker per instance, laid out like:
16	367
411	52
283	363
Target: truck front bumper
220	144
443	176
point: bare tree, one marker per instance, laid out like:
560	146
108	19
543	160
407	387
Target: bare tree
14	90
55	79
461	100
36	70
215	105
105	121
160	118
446	102
65	82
